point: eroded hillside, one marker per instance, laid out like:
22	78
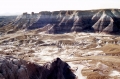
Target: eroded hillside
102	20
89	55
61	45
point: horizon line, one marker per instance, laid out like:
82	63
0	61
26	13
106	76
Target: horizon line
20	13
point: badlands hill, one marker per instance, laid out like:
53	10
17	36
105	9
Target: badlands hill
28	50
102	20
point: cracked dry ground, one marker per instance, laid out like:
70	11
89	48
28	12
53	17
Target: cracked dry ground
90	55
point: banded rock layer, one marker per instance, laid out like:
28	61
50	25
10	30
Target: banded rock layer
106	20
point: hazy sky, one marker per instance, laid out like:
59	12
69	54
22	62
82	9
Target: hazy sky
11	7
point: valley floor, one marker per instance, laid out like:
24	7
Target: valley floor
90	55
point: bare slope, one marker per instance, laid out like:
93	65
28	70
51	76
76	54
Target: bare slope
106	20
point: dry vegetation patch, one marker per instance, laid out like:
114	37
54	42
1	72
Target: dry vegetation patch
111	49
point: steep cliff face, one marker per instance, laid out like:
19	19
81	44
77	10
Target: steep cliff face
13	68
106	20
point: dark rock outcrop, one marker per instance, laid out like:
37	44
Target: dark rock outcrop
102	20
4	20
12	68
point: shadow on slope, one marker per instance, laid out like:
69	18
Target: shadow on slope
13	68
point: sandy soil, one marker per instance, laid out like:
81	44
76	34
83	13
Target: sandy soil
90	55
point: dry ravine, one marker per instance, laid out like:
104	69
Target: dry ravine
31	55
